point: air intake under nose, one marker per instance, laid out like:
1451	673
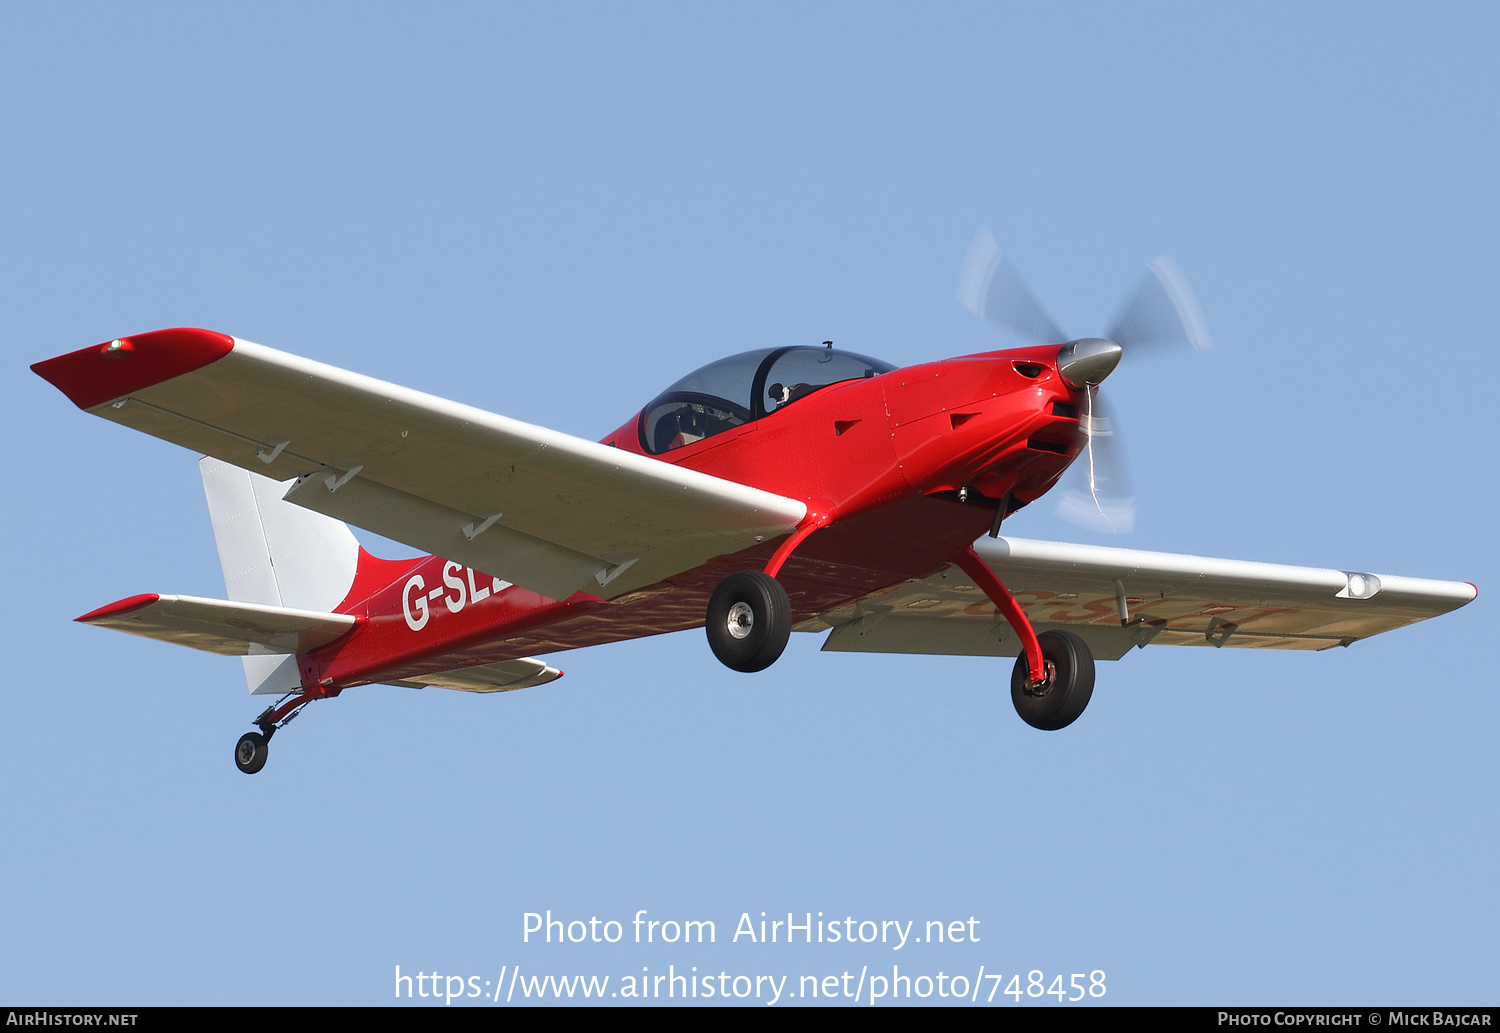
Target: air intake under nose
1087	361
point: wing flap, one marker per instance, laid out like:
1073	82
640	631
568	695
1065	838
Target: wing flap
542	566
947	636
219	626
636	520
1169	600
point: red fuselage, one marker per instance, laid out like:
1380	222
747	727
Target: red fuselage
996	422
903	469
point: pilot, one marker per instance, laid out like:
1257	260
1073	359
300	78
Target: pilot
781	396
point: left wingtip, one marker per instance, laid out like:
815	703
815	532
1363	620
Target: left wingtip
103	372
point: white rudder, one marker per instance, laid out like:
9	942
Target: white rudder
276	553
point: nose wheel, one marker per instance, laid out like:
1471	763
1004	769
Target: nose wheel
1059	698
749	621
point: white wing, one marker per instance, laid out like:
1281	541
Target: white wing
1165	599
545	510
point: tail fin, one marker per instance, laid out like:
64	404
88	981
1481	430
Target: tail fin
275	553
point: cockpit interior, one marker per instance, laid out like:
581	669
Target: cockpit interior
745	387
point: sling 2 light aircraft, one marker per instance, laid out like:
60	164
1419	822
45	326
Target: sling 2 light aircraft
792	488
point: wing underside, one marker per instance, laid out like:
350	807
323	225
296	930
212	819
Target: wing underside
1116	599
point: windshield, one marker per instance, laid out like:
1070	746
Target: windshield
742	388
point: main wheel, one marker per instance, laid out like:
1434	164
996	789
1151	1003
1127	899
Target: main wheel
250	752
749	621
1058	701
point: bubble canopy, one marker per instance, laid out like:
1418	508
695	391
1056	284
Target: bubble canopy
745	387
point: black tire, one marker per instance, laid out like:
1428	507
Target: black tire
749	621
1070	682
250	752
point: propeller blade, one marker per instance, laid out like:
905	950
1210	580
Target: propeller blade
990	287
1098	496
1162	312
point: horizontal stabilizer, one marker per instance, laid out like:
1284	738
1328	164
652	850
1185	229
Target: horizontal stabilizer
498	677
219	626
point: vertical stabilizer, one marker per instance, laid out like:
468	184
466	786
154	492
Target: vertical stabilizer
276	553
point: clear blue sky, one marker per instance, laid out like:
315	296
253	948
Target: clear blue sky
553	211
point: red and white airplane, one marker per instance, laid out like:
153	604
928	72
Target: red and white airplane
794	488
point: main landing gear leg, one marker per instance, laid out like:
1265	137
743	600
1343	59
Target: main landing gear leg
1054	676
749	616
251	751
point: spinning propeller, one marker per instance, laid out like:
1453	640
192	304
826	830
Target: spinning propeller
1162	313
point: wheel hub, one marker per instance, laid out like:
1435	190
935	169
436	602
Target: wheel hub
741	620
1044	686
